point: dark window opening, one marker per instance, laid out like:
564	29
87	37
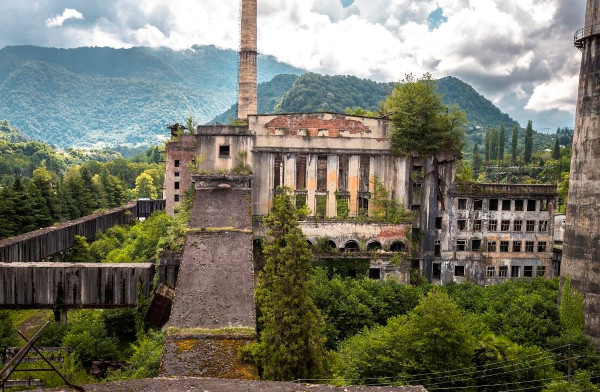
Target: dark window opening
176	184
518	225
544	205
374	245
437	249
543	226
492	225
365	167
541	246
505	205
459	270
528	246
397	246
504	246
516	246
528	271
491	246
541	270
493	205
518	205
438	222
415	264
477	225
351	246
515	271
352	272
322	173
461	245
278	171
462	224
310	244
363	206
176	163
300	171
531	205
530	225
176	211
176	174
490	271
503	271
437	271
478	205
224	151
375	273
300	200
331	245
415	207
462	204
176	198
343	173
505	225
476	244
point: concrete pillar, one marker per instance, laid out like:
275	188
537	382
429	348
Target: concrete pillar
311	181
289	174
581	256
353	179
332	180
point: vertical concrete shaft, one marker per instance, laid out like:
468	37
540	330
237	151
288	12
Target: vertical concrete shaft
581	253
247	95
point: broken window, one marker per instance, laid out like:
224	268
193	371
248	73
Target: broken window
343	173
493	205
278	171
176	198
322	173
503	246
459	270
300	171
490	271
516	246
462	224
491	246
461	245
518	205
528	246
374	245
528	271
176	184
462	204
530	226
476	244
505	205
492	225
541	246
438	222
224	151
477	225
505	225
321	206
543	226
544	205
437	250
437	271
176	163
541	270
375	273
363	206
515	271
342	206
397	246
531	205
478	205
518	225
502	271
365	167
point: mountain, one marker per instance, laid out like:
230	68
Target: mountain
105	96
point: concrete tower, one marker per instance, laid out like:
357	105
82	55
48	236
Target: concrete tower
581	253
247	72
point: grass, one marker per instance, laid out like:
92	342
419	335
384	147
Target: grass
174	331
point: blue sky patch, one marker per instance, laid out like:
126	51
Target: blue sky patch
436	18
346	3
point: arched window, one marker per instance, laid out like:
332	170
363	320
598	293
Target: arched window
374	245
397	246
351	246
331	245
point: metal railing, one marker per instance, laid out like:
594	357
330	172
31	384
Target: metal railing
582	34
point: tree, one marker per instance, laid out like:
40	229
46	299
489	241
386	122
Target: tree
501	143
79	252
493	143
144	187
571	309
292	343
528	142
41	213
487	149
556	151
422	123
515	141
476	161
8	335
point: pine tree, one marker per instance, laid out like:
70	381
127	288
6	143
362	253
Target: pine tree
46	182
79	252
476	162
515	141
22	209
528	142
89	198
292	343
41	213
7	225
487	148
556	151
501	143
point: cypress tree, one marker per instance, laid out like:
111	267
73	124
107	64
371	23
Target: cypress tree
487	148
22	208
41	212
476	162
515	141
501	143
493	144
556	151
528	142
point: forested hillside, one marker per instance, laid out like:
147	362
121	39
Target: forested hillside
97	96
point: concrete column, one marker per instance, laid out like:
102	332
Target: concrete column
332	180
311	181
289	174
353	178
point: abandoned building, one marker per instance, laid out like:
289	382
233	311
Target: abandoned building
333	163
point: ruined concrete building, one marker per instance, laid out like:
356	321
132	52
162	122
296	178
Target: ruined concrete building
333	163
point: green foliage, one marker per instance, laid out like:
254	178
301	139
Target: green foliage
88	338
386	209
291	342
242	166
571	309
563	193
341	206
79	252
476	162
581	383
321	207
514	144
147	352
501	142
528	143
358	111
8	334
422	123
144	187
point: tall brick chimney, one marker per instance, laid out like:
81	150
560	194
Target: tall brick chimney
581	256
247	100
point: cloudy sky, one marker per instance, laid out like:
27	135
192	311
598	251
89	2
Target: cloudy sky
517	53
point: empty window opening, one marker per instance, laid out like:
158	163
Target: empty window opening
437	271
518	225
477	225
528	246
505	225
491	246
516	246
544	205
519	205
461	245
541	246
365	167
492	225
375	273
531	205
459	270
176	163
515	271
528	271
176	174
502	271
300	200
374	245
363	206
278	171
224	151
490	271
543	226
397	246
541	270
505	205
176	211
438	222
322	173
415	207
351	246
331	245
462	224
343	173
176	185
493	205
476	244
176	198
321	206
478	205
437	249
462	204
504	246
352	273
342	206
300	171
415	264
530	225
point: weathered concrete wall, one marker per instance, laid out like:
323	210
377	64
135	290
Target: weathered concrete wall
73	285
581	252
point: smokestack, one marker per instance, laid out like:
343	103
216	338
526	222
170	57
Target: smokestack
247	96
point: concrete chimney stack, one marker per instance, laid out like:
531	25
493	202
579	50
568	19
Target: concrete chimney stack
247	95
581	252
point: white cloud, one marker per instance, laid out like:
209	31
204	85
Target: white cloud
59	19
557	94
